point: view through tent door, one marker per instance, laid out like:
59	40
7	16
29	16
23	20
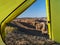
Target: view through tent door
29	27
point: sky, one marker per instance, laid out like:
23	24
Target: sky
38	9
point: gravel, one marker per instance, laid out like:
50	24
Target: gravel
20	38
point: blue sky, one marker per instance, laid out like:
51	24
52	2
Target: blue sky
38	9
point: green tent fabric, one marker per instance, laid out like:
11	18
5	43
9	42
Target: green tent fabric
7	6
53	12
55	16
1	42
10	9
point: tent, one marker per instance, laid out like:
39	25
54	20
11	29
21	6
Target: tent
53	14
10	9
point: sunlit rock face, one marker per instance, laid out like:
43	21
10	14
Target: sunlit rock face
40	24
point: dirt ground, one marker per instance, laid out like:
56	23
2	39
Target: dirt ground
18	37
